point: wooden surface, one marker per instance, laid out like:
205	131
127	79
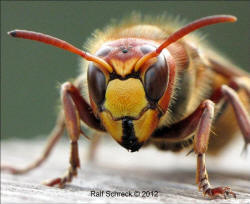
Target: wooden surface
115	169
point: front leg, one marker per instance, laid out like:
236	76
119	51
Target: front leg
203	182
200	147
54	137
72	170
200	122
86	115
203	132
73	127
75	108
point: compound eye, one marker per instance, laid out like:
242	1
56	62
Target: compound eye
96	84
156	79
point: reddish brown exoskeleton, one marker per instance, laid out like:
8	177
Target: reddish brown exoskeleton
148	84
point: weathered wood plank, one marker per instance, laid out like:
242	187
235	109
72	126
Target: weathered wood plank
171	175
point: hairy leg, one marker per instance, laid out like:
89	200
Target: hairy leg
200	123
75	108
201	139
86	116
200	147
54	137
72	122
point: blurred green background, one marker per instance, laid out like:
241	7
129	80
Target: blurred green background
30	71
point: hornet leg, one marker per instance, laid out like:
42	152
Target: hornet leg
54	137
75	108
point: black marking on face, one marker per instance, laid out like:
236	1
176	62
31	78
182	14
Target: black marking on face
129	140
135	75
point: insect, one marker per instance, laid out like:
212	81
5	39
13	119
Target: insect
147	84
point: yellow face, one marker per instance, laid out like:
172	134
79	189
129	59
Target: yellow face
126	115
125	100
